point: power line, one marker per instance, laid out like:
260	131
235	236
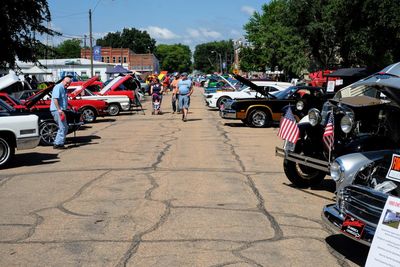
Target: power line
98	2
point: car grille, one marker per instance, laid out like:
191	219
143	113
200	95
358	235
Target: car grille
364	203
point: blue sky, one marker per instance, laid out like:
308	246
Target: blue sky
168	22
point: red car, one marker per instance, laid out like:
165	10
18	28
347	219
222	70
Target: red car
90	109
121	85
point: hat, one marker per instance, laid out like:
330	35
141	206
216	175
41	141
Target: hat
176	74
184	74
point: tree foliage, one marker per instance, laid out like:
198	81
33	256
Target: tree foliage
207	61
21	22
69	49
176	57
138	41
314	34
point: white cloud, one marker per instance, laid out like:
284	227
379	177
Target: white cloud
249	10
236	33
203	33
161	33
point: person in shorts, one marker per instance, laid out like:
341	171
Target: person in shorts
185	89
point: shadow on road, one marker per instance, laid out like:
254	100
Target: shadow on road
104	120
352	250
33	159
81	140
194	120
235	124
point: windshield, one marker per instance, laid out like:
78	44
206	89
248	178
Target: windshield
109	85
4	107
285	94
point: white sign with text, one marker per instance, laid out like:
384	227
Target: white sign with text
385	247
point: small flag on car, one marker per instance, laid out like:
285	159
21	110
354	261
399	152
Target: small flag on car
288	129
328	136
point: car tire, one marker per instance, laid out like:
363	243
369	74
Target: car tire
88	115
222	100
48	131
258	118
302	176
7	151
113	109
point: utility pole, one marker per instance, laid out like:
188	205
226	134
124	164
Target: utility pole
84	44
91	43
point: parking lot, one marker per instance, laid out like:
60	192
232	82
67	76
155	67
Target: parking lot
143	190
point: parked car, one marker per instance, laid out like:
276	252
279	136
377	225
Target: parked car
362	188
116	103
247	90
12	85
262	112
121	85
47	126
365	119
17	131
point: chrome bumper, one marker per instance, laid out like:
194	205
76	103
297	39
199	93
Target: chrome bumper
318	164
228	114
334	220
27	142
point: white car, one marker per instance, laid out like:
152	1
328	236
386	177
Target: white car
16	131
116	103
214	100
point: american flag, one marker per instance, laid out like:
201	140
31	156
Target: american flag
328	136
288	129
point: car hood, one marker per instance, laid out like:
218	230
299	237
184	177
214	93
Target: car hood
31	101
387	81
258	89
87	83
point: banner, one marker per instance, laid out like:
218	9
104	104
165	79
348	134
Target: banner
97	53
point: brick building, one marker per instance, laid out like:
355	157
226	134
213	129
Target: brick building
144	63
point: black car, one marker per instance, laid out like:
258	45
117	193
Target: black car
365	118
263	111
47	126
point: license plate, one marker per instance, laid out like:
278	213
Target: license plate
353	227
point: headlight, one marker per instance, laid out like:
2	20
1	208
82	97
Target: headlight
346	123
300	105
337	171
314	116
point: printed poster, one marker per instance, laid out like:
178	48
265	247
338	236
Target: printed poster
330	87
385	247
394	170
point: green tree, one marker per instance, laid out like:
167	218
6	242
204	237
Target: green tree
274	42
176	57
69	49
208	56
21	22
138	41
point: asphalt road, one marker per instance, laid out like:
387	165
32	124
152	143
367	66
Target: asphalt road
143	190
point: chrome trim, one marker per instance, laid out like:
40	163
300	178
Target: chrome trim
27	142
303	160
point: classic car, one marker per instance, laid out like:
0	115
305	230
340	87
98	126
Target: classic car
363	184
365	119
247	90
47	126
116	103
12	85
121	85
263	111
16	131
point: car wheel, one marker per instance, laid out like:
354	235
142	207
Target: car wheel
48	131
113	109
222	100
88	115
258	118
7	151
302	176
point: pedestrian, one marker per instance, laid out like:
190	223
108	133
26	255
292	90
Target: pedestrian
34	82
185	89
59	103
174	86
156	92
